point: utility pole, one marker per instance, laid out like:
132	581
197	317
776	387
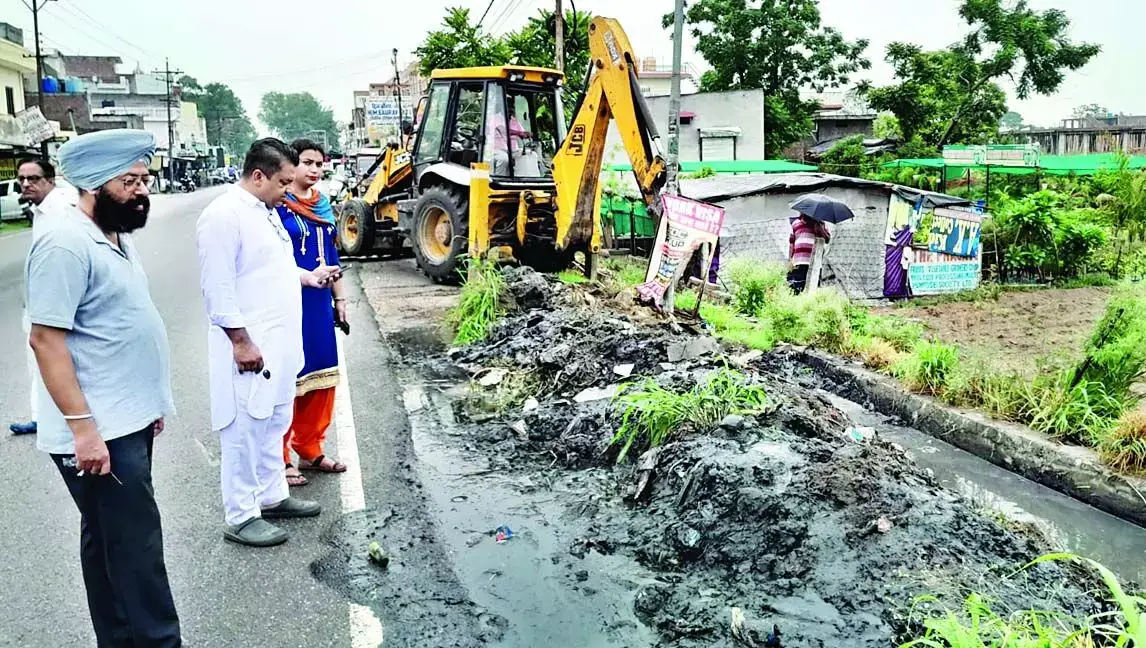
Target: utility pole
559	28
397	88
167	72
673	169
37	5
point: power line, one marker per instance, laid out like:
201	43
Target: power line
506	14
85	15
362	58
486	12
115	49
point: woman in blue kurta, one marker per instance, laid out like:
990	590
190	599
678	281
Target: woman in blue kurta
308	217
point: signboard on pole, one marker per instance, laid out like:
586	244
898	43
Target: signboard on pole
34	126
383	118
685	226
1010	155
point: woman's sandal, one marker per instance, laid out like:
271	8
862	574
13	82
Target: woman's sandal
295	480
319	465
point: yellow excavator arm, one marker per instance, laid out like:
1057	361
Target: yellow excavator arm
613	93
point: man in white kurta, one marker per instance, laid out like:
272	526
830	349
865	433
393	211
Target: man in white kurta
251	286
49	204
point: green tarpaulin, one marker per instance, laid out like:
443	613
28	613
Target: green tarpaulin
734	166
1048	164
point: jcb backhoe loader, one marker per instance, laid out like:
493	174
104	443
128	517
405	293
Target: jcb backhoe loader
494	166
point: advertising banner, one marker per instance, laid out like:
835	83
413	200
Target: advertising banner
685	226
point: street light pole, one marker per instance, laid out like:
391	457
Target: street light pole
559	36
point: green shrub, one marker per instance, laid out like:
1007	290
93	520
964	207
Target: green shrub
929	367
1082	413
755	283
847	158
651	415
480	304
1115	354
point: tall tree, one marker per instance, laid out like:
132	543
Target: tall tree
227	122
953	95
1089	110
934	88
189	87
778	45
461	44
1011	121
536	43
298	114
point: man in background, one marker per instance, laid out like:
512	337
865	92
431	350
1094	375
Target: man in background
103	354
37	180
250	285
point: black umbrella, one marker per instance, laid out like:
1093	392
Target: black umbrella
822	208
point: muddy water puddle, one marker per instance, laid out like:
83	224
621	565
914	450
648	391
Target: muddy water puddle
1074	526
547	595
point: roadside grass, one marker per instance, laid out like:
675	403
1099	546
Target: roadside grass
1125	447
651	415
480	304
977	625
1080	403
623	272
11	227
572	277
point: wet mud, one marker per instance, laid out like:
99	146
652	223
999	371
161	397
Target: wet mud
778	521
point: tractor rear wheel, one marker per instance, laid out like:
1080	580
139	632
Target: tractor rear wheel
439	233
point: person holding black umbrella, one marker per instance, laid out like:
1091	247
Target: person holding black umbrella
808	224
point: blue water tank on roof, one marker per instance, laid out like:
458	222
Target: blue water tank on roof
50	85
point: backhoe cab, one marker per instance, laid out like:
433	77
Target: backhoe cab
482	169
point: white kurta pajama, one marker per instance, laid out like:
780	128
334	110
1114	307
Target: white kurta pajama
56	205
250	280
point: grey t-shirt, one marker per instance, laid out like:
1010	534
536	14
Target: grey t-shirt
78	281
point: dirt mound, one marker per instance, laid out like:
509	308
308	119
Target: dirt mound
778	520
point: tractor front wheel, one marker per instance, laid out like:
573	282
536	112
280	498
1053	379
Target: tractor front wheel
440	233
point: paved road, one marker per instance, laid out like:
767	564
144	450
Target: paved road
226	595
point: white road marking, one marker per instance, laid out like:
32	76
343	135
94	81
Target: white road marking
365	628
353	496
212	460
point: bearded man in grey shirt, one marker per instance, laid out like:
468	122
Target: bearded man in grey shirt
103	354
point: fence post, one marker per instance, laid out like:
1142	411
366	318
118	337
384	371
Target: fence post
817	266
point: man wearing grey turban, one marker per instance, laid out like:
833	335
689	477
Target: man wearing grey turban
103	354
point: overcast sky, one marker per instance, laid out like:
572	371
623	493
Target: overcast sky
331	47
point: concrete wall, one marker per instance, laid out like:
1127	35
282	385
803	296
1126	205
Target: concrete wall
1070	141
13	80
757	227
743	109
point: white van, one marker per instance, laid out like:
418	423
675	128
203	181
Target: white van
10	206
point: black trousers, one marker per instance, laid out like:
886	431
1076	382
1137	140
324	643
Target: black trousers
798	278
121	548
